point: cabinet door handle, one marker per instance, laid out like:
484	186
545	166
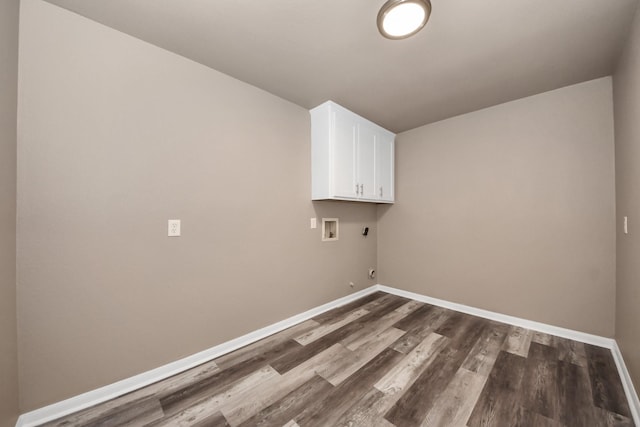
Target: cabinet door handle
357	190
362	189
380	191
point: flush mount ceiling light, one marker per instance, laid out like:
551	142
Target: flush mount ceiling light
399	19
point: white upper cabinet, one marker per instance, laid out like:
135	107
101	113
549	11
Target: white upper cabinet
352	158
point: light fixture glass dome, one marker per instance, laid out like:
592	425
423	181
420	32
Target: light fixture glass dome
399	19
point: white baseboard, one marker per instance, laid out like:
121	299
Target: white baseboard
86	400
511	320
627	383
111	391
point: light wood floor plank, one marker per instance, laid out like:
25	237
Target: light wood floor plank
156	390
267	393
290	405
542	338
331	315
231	396
518	341
384	306
454	406
326	328
401	376
367	412
365	353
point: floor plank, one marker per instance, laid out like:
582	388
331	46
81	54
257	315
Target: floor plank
540	383
363	354
384	306
499	401
606	387
290	405
349	392
419	325
518	341
328	327
454	406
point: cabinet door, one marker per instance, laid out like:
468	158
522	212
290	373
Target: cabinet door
385	167
344	148
366	163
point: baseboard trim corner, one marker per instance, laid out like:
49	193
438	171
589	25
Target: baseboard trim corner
627	383
504	318
112	391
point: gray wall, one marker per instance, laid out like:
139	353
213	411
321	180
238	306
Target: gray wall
626	91
510	209
8	104
115	137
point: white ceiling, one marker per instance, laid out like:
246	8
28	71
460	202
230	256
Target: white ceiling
472	54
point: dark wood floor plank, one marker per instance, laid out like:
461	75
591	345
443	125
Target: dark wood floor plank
499	404
609	419
484	353
224	379
413	407
385	301
290	360
141	411
528	418
192	410
606	387
571	351
367	412
292	404
327	411
574	395
258	349
156	390
416	319
331	315
404	374
463	330
364	334
540	383
191	419
419	325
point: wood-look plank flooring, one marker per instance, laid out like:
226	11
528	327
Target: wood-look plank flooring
387	361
